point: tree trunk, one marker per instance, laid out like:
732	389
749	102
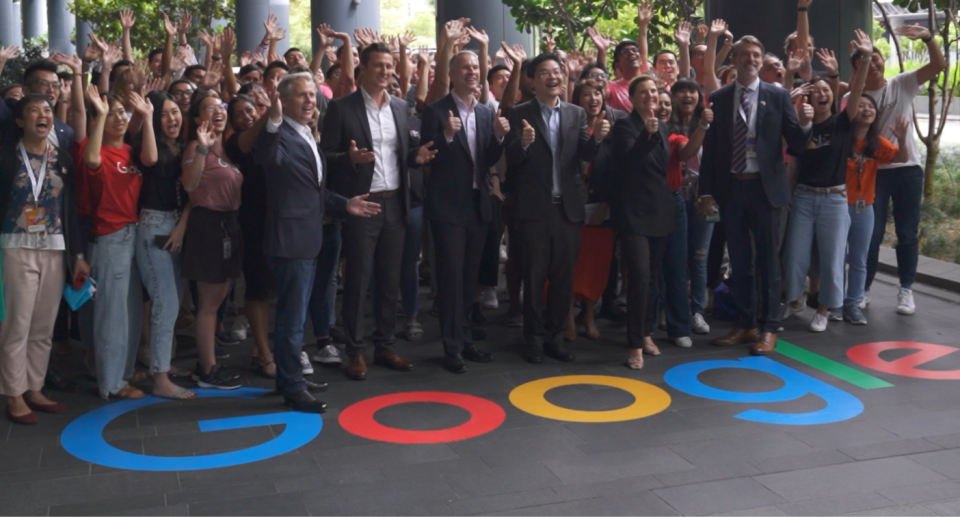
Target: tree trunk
930	166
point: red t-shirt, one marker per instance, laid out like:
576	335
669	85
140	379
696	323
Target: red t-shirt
619	95
110	193
675	166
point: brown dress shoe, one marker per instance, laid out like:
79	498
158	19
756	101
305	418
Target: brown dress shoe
391	360
765	345
737	337
357	367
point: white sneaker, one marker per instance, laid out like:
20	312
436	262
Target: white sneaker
489	298
305	364
327	355
503	254
866	301
240	328
790	310
683	342
698	324
818	323
905	303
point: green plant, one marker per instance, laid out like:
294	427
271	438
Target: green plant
32	50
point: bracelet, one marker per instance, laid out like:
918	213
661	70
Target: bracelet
215	58
927	40
202	150
834	76
705	127
801	9
78	256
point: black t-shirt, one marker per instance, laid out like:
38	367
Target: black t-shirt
417	189
161	184
253	192
824	163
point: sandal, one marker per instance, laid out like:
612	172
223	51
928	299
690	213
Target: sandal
635	362
129	392
264	372
414	331
651	349
138	377
180	394
177	373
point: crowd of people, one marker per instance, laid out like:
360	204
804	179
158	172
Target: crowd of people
143	180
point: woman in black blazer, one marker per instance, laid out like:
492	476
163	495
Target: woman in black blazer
643	210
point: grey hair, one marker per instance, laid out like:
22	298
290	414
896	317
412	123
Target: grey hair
286	84
461	53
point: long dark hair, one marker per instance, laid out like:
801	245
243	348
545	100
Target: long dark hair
813	82
165	153
194	113
588	83
676	125
233	104
872	141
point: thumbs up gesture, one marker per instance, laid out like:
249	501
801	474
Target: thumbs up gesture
652	124
529	134
501	126
601	127
453	126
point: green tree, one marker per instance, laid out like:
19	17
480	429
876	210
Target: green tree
148	33
32	50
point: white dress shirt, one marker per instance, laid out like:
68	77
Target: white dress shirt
468	118
307	136
386	144
753	93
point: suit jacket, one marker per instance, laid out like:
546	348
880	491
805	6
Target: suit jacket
10	133
642	201
452	172
296	202
346	120
776	120
530	172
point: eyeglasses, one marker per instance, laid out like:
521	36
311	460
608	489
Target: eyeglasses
182	93
549	73
603	76
214	107
630	50
43	85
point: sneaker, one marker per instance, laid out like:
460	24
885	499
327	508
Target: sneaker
226	339
514	319
905	303
866	301
503	254
683	342
306	364
699	325
790	310
853	314
240	328
327	355
219	352
218	378
196	375
489	300
835	315
818	323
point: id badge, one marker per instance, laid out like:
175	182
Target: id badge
752	148
35	219
861	206
227	249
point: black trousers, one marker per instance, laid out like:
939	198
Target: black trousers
644	258
748	214
373	243
489	274
458	252
550	249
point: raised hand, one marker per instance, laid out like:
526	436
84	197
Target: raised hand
479	36
331	53
574	65
91	54
707	116
127	19
601	128
276	107
804	3
99	44
212	78
829	61
913	32
111	55
153	85
549	43
501	126
800	91
407	39
600	41
71	61
702	31
141	106
644	13
246	58
93	98
900	130
425	153
682	35
186	22
169	26
453	127
359	207
270	25
358	156
516	53
718	28
205	136
796	60
205	38
528	135
453	30
863	43
278	34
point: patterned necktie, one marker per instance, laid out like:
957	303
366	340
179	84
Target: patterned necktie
739	161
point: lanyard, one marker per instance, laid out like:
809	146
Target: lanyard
35	183
859	160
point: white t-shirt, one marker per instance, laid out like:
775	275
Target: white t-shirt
896	100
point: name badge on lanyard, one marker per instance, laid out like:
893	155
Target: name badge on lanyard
33	214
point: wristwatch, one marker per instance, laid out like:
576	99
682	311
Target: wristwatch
705	127
202	150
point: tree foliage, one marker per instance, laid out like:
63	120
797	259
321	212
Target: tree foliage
31	50
148	32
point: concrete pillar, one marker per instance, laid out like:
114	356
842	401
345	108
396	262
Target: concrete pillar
17	25
83	40
60	24
831	23
489	15
34	18
250	17
344	15
281	9
9	24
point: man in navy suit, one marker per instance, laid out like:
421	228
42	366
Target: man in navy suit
469	140
742	172
296	201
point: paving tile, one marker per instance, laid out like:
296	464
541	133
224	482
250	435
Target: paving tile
704	474
657	425
275	504
887	449
643	503
947	441
621	445
39	511
220	493
55	456
718	496
104	506
945	507
926	424
175	510
281	467
910	510
841	434
754	447
556	435
187	444
501	480
504	502
330	476
805	460
762	511
369	497
131	433
606	488
426	508
848	478
434	468
945	462
385	454
840	505
33	476
734	431
607	467
29	442
531	453
53	492
922	493
19	459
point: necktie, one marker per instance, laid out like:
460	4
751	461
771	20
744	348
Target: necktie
739	161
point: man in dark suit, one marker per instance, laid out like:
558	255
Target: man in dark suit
548	140
296	202
366	135
742	172
469	140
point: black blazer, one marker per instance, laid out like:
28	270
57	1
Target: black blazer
530	172
776	120
346	120
70	219
642	203
295	201
450	183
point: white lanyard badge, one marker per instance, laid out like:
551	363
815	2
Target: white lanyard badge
35	184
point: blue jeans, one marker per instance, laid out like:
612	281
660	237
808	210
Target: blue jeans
294	284
673	282
323	300
118	310
861	230
904	185
699	234
826	219
409	273
160	272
